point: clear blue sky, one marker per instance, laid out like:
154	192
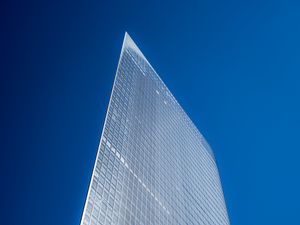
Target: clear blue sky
233	65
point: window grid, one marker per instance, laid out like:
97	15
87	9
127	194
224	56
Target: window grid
153	165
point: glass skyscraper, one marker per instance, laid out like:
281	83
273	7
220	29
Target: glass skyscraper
153	166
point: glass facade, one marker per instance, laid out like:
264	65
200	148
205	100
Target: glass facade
153	166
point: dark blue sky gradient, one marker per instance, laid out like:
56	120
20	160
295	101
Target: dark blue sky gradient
233	65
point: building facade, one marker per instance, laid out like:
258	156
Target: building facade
153	166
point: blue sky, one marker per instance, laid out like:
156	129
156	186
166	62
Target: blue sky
233	65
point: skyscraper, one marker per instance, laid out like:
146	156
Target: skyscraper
153	166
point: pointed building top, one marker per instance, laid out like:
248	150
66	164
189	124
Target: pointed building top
129	43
